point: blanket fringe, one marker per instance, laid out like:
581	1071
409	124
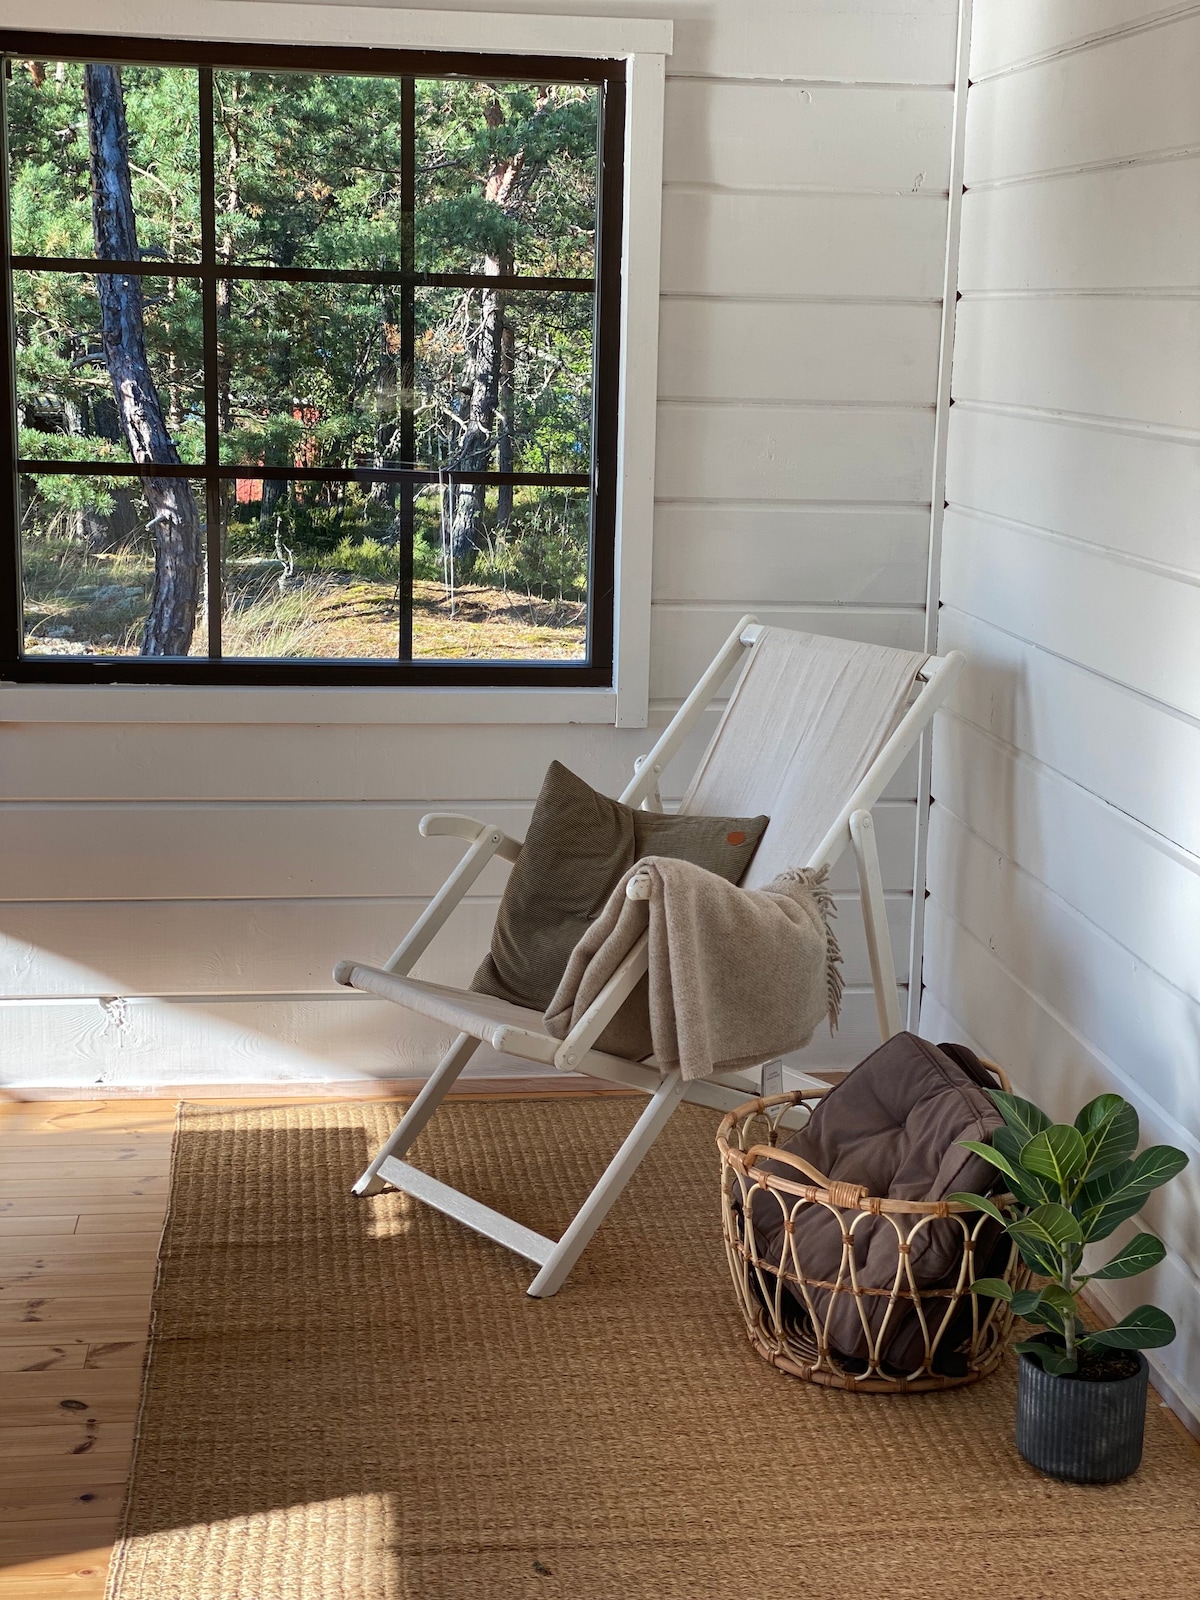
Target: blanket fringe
816	881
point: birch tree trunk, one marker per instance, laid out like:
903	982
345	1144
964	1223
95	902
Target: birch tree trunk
174	521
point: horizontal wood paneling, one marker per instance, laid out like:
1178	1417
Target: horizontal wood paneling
294	851
1140	889
325	762
1058	1068
1095	355
1052	1064
755	350
686	638
279	1040
1137	626
876	246
1122	1007
257	947
765	453
823	136
1063	867
1125	491
889	41
838	554
1006	32
1133	96
1087	230
1147	764
207	761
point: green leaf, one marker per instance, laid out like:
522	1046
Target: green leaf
1029	1190
1057	1153
993	1288
1157	1166
1049	1224
1038	1256
1098	1113
979	1202
1109	1126
1105	1201
1026	1301
1141	1253
1144	1329
1099	1222
1062	1300
997	1159
1022	1116
1054	1361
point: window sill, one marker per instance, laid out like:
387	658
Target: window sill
20	702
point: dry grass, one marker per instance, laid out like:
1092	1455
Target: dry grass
79	603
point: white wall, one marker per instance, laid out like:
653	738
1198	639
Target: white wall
175	896
1063	929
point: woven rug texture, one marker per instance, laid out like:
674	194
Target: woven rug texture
356	1400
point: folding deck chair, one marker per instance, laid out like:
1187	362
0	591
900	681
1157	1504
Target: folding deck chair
814	770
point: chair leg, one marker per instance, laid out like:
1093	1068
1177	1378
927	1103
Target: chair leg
419	1113
616	1175
879	943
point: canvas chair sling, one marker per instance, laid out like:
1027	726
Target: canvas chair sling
812	733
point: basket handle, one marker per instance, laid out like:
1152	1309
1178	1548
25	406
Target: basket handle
842	1194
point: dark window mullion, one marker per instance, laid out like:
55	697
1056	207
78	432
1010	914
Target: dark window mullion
212	418
606	374
408	356
12	609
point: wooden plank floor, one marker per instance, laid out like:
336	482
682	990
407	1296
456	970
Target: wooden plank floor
83	1189
83	1192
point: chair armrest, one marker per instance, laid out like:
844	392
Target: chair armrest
453	824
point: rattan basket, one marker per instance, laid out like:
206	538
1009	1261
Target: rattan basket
963	1335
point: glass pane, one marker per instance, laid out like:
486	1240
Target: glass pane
501	574
66	393
310	570
48	113
88	565
307	169
504	380
309	374
506	177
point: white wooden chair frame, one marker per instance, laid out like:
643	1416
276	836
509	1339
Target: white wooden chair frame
576	1053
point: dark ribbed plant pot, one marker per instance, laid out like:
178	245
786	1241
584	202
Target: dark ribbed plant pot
1083	1432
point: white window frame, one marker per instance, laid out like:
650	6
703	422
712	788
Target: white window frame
644	45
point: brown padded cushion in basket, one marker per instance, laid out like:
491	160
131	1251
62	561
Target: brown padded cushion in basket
578	846
892	1125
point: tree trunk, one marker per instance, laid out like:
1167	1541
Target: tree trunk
387	401
477	441
231	121
505	452
174	522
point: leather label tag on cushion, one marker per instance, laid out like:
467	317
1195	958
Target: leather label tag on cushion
578	847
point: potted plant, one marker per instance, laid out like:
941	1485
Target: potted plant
1081	1397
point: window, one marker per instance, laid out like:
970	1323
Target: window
344	408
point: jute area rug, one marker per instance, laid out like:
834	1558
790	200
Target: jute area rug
355	1400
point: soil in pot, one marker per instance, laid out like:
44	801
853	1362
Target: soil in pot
1085	1428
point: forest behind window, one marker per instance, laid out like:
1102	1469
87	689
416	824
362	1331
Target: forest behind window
343	402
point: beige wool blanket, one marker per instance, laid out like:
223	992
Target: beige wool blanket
736	976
